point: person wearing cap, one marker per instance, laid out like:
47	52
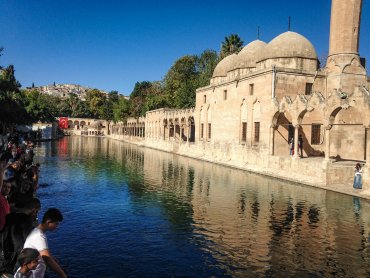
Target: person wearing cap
28	260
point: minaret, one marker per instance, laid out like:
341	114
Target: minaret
343	66
345	27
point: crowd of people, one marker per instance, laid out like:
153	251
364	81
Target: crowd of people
24	250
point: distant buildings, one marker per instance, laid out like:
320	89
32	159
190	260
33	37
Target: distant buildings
64	90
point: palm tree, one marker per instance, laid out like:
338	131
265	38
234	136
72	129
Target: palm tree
232	44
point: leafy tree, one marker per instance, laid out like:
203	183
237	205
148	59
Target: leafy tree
139	96
11	99
95	101
231	44
73	106
206	64
113	96
121	109
36	106
181	82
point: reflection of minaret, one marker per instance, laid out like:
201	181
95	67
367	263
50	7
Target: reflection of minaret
343	66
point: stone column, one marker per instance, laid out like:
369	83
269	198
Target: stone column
366	168
250	126
188	133
327	142
272	138
367	147
296	131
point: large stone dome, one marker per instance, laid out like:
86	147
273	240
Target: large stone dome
225	65
287	45
250	54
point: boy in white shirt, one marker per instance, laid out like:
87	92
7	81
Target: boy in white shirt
37	239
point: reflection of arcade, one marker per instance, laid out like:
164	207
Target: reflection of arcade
92	132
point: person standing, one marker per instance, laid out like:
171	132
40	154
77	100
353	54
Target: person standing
37	240
291	146
357	183
300	145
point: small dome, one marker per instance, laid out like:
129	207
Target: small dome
225	65
250	54
287	45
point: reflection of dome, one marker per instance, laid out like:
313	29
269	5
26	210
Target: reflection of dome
287	45
225	65
250	54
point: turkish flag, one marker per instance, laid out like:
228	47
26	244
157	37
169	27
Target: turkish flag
63	122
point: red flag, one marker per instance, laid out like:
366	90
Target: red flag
63	122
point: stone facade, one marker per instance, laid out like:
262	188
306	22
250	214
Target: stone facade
270	93
87	127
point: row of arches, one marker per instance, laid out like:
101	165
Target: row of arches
334	127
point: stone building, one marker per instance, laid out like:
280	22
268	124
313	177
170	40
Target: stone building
273	92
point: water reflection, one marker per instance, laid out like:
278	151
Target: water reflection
243	224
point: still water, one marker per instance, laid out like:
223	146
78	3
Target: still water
136	212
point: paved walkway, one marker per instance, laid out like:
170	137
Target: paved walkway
341	187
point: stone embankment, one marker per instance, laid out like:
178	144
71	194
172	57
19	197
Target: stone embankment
313	171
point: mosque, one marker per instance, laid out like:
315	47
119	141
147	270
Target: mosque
268	94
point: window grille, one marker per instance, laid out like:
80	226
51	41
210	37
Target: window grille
256	132
315	134
244	132
308	90
251	89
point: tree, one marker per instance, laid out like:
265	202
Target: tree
96	101
206	64
231	44
181	82
36	106
121	109
11	99
143	91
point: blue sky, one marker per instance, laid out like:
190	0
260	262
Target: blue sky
111	45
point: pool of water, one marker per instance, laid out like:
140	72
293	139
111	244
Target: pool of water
136	212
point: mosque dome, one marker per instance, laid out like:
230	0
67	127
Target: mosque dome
287	45
250	54
225	65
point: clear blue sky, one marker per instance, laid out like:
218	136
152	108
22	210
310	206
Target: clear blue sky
110	45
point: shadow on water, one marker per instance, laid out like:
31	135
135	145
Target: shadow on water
154	214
